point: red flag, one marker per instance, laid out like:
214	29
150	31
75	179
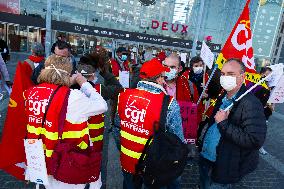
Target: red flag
14	131
239	45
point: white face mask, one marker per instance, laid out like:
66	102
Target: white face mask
197	70
171	75
228	82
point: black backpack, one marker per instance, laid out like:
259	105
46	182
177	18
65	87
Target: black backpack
163	158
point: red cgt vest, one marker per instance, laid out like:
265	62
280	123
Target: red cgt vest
36	100
96	127
138	110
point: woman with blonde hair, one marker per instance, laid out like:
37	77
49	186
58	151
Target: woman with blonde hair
58	114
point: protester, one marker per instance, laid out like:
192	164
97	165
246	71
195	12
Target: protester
263	95
62	48
196	75
146	101
230	139
59	38
98	60
4	75
4	50
89	66
55	80
188	85
119	63
36	60
185	86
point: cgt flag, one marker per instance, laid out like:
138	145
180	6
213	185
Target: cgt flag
239	45
12	145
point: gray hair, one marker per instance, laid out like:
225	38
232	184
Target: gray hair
241	64
37	49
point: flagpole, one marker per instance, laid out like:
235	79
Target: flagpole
207	84
48	28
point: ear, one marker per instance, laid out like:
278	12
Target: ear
180	68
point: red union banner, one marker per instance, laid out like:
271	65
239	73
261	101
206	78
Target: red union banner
10	6
239	43
167	26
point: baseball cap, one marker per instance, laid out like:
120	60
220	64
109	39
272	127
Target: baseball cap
152	68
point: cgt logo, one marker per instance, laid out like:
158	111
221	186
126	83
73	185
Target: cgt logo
136	108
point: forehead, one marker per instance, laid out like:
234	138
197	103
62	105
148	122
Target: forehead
198	63
231	66
171	61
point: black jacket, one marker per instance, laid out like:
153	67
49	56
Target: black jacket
242	134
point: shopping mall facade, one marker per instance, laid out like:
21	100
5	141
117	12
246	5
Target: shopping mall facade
165	24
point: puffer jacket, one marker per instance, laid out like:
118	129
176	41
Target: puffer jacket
242	134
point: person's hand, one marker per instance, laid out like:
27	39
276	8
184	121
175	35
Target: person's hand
9	83
73	79
221	115
205	95
80	79
271	106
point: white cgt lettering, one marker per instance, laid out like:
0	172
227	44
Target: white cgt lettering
37	106
135	115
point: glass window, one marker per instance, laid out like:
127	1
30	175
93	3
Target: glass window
3	34
17	38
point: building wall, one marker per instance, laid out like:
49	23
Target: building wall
218	18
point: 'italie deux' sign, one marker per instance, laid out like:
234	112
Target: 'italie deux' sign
169	26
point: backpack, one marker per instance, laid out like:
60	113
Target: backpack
164	156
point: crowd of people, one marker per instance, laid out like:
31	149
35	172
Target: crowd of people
71	102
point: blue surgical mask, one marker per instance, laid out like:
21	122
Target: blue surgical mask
171	75
95	80
123	57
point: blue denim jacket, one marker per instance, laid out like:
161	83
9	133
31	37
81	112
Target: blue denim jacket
212	137
174	121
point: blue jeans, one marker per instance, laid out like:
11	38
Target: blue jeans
129	184
205	169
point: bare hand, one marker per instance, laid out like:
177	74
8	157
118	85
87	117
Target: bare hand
80	79
221	115
205	95
73	79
